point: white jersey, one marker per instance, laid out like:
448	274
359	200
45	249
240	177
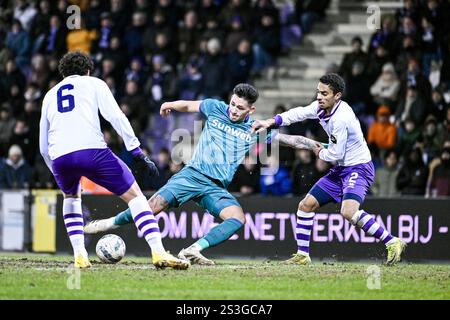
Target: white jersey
70	121
347	145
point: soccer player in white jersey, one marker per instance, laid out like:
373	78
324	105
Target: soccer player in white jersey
72	146
347	182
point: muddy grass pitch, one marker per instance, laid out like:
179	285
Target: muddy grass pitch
52	277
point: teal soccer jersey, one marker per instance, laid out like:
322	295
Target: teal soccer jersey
223	143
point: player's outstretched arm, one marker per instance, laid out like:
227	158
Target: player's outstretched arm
286	118
298	142
179	105
261	125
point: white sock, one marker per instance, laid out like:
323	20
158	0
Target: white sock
367	222
305	221
146	223
73	219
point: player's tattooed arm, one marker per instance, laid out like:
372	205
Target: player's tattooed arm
298	142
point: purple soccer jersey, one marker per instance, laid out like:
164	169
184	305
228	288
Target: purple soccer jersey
350	179
99	165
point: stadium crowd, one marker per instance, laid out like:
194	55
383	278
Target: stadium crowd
152	51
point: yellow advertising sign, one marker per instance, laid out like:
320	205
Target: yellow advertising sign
44	211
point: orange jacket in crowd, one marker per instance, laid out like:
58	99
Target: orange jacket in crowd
80	40
382	133
90	187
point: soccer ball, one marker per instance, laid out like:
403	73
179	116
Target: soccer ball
110	248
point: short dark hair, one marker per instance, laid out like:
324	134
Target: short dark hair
389	152
247	92
335	81
357	39
75	62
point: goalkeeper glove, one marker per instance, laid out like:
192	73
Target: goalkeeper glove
140	157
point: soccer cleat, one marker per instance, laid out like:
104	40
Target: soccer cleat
395	251
195	257
82	262
166	260
299	259
97	226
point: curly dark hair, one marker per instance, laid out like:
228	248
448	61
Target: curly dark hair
75	62
247	92
335	81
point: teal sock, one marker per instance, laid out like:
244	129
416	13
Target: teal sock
220	233
202	243
124	217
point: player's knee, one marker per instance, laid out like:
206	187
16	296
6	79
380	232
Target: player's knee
238	216
233	212
135	191
307	205
349	208
132	193
348	213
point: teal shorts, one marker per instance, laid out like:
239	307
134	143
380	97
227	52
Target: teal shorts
190	184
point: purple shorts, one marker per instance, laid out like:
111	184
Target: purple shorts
99	165
341	183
